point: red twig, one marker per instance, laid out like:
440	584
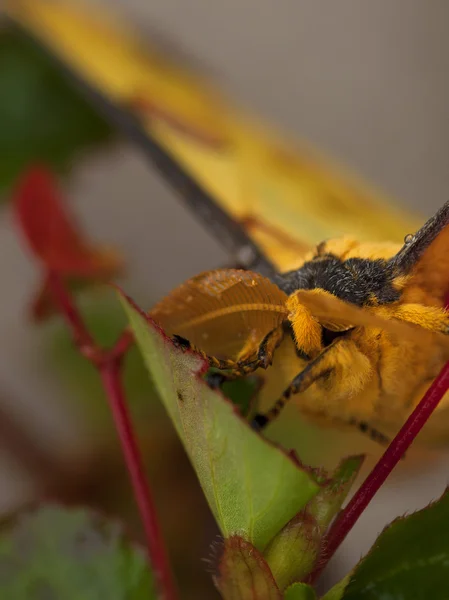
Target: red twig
69	311
108	364
350	514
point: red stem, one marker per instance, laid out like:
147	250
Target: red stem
393	454
110	376
108	364
68	310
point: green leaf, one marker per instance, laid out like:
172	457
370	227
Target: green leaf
253	487
410	559
292	553
324	506
61	554
243	573
42	117
300	591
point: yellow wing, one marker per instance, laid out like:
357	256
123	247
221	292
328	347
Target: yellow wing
284	198
223	312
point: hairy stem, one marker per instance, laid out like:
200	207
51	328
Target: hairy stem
350	514
108	364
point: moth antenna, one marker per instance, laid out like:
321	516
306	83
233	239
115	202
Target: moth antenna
416	244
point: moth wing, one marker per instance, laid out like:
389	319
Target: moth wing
425	257
227	167
223	312
336	314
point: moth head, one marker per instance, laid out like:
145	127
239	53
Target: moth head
317	318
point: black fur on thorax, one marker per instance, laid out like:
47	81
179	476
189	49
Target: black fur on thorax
360	281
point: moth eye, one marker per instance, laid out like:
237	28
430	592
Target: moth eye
409	238
328	336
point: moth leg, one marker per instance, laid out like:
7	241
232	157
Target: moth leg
363	426
350	367
264	359
300	353
373	433
216	379
269	345
431	318
261	421
315	369
243	365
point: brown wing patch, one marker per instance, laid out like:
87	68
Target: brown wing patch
223	312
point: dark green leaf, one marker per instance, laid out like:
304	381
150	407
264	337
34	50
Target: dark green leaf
253	488
300	591
54	553
242	393
243	573
410	559
42	118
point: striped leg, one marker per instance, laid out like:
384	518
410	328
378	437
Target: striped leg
243	365
315	369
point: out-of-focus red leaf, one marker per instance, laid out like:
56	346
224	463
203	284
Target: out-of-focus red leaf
52	233
55	239
42	304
